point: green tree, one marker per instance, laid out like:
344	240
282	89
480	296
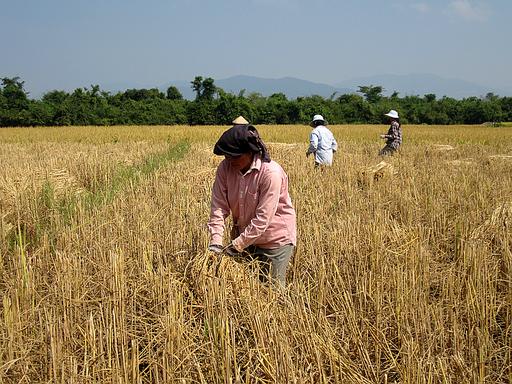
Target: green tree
208	89
143	94
197	86
372	93
15	99
430	97
173	93
14	93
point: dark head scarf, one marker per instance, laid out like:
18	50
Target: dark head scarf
241	139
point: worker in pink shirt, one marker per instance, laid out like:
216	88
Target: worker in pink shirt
254	190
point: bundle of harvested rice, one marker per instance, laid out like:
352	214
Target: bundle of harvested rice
500	220
63	183
209	274
376	172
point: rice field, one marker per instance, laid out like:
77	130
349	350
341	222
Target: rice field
402	274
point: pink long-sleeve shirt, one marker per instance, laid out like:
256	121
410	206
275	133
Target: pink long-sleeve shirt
259	203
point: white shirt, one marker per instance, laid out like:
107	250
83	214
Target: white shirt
322	143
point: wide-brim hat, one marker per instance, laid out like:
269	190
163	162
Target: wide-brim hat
393	114
317	118
240	120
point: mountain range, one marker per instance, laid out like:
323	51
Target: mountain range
412	84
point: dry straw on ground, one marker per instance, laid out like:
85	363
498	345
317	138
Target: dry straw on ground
442	147
407	281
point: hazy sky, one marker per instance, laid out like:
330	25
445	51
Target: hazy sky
64	44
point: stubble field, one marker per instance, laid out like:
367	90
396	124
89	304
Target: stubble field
400	275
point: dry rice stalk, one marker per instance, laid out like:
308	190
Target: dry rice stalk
11	188
283	145
5	227
500	157
442	147
461	162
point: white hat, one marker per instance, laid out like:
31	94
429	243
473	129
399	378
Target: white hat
317	118
240	120
393	114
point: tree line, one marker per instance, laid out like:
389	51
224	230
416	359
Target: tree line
212	105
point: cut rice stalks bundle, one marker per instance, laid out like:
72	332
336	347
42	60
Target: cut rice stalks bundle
231	279
499	222
382	170
63	183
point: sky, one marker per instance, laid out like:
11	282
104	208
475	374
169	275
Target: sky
65	44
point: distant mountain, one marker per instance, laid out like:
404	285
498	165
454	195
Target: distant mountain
421	84
291	87
413	84
123	86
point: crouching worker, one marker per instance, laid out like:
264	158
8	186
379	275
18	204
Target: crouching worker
254	190
394	136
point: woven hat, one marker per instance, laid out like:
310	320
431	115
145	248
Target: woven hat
240	120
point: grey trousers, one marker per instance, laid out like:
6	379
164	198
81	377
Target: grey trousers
274	259
387	151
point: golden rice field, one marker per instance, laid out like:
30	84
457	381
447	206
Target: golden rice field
401	275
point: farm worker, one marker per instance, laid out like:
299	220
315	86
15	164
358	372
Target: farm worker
394	135
254	190
321	142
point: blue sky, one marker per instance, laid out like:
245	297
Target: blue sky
64	44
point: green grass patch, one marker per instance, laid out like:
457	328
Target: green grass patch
55	211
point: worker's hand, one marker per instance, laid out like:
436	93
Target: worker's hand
231	250
215	248
382	136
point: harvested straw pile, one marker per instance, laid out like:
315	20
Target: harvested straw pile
382	170
499	222
63	183
221	274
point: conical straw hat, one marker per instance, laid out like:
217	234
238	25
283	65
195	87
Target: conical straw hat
240	120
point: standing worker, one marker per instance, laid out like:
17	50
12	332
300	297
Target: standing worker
394	135
321	142
254	190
